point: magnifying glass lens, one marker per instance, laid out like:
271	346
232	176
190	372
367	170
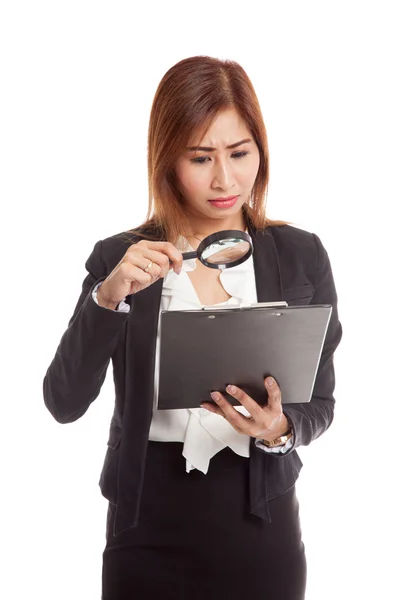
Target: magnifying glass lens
225	251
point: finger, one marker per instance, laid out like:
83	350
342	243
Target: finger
166	248
274	394
247	401
155	271
150	261
133	273
212	408
237	420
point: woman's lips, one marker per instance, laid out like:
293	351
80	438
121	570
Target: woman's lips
227	203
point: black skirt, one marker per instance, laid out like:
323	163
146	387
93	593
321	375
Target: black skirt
196	539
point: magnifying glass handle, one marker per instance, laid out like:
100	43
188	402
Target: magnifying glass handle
188	255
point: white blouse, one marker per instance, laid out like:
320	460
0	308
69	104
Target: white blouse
202	433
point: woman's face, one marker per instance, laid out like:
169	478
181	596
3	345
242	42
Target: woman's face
217	171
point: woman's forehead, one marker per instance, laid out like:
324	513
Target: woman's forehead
228	127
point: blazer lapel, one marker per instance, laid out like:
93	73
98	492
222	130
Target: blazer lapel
266	266
269	289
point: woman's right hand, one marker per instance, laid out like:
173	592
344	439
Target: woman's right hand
143	264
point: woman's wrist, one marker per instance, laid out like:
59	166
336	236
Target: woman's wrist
283	429
105	303
281	440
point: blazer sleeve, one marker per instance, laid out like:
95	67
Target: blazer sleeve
311	419
78	369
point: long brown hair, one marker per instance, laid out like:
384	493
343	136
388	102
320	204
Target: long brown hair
188	98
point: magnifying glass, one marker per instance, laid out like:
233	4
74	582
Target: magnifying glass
223	250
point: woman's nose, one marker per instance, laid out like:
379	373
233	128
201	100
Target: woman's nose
223	177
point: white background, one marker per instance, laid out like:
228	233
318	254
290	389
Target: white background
77	80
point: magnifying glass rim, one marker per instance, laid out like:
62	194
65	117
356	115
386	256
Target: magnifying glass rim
220	235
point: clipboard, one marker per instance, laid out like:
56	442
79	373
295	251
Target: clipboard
206	349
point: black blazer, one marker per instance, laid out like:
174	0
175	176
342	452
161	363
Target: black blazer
290	264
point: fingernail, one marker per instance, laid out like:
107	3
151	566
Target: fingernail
214	396
231	389
270	381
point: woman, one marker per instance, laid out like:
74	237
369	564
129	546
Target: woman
202	502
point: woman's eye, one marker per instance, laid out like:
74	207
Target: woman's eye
202	159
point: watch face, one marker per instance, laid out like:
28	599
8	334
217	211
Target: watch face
280	441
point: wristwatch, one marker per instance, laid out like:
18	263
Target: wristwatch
279	441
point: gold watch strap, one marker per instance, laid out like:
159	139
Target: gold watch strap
279	441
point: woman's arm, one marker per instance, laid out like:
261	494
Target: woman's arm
311	419
78	369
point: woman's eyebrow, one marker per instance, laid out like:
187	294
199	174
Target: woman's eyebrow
209	149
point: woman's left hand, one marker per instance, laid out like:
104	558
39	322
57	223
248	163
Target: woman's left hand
265	422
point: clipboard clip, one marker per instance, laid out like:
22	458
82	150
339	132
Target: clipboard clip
277	304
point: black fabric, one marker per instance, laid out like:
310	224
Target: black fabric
289	264
197	539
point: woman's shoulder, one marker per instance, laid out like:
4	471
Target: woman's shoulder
291	238
290	234
297	246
